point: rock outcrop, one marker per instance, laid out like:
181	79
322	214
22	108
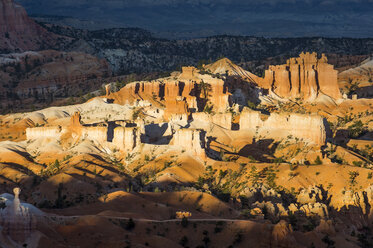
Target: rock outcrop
18	32
99	134
281	235
223	120
305	77
188	92
190	140
126	138
43	132
361	76
280	126
227	67
75	120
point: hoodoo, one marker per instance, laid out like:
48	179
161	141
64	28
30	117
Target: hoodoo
305	77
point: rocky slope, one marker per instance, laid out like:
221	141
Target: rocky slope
358	80
41	77
137	50
200	157
20	33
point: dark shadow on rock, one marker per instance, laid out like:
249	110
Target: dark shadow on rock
20	168
154	134
110	130
365	92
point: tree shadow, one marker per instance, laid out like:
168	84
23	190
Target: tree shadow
20	168
26	155
261	150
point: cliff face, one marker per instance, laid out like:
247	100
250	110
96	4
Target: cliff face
99	134
126	138
280	126
43	132
304	77
18	32
223	120
190	140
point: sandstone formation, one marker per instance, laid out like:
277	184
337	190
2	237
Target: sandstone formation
223	120
227	67
193	145
99	134
126	138
281	126
43	132
305	77
188	92
19	33
358	80
190	140
76	120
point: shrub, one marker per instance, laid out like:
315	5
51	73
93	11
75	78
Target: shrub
357	163
254	177
183	241
208	109
251	105
167	164
252	159
237	238
219	227
357	129
184	222
370	174
206	240
130	225
318	161
353	176
147	158
328	241
278	160
293	174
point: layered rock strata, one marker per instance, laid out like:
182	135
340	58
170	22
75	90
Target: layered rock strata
281	126
18	32
305	77
126	138
43	132
191	140
188	92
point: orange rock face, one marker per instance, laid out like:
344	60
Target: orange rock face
189	92
305	77
75	120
